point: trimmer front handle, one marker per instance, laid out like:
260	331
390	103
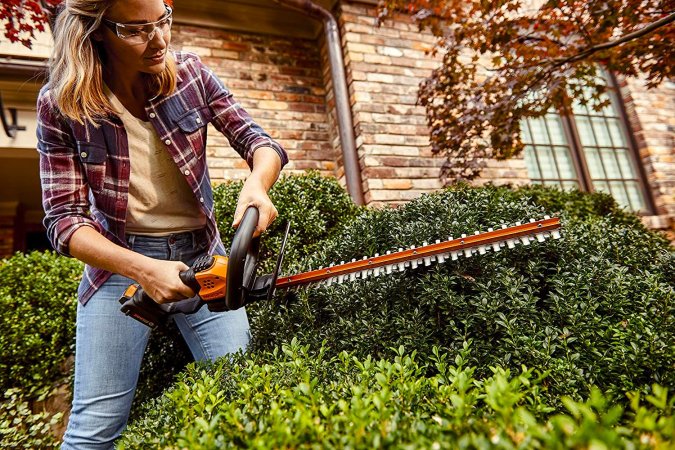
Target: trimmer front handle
222	283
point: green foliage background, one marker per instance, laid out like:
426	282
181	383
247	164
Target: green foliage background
594	309
570	341
37	318
297	397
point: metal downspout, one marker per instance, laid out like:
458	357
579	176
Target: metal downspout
342	106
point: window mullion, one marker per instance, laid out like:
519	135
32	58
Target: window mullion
572	136
536	153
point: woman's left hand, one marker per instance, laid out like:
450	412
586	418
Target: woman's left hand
254	194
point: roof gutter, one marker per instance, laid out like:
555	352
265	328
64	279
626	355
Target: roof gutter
342	106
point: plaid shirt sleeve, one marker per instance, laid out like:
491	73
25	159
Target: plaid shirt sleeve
64	188
244	135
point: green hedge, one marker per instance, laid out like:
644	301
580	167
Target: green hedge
37	323
297	398
37	319
315	205
38	291
594	308
21	428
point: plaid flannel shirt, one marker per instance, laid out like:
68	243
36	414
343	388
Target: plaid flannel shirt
84	169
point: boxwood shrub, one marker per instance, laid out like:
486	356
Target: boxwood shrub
594	308
315	205
37	319
295	397
38	291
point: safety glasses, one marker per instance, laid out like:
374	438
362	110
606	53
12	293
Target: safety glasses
140	33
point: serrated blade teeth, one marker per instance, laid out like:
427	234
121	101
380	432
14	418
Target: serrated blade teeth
364	273
415	255
440	258
352	276
427	259
413	262
401	265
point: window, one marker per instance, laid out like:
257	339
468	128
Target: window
585	149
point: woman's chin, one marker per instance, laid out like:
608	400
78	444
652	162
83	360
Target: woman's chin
155	67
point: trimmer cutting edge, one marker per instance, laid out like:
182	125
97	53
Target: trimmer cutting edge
225	284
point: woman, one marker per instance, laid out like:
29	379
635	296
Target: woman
122	136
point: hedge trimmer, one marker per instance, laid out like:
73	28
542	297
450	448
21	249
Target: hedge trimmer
225	284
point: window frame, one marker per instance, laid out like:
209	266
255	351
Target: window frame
572	136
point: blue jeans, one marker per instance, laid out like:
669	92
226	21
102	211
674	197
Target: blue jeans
109	346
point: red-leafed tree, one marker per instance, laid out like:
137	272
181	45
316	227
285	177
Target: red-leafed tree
23	18
504	60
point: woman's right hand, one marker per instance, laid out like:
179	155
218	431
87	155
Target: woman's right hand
161	281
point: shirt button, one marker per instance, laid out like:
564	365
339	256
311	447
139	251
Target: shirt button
187	172
168	142
83	154
199	120
201	199
151	115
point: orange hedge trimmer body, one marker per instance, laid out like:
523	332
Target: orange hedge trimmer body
224	283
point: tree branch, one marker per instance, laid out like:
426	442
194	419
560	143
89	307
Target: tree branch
610	44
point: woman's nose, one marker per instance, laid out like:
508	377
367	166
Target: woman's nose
156	38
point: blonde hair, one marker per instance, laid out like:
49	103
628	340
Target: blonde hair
76	69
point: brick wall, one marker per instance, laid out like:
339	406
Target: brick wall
280	82
651	115
385	66
286	86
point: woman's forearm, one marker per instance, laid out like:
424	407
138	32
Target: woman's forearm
159	278
266	167
90	247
